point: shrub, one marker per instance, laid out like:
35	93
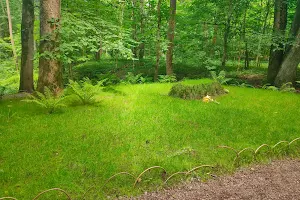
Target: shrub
196	91
2	90
11	84
269	87
91	69
84	90
220	78
110	79
48	100
287	87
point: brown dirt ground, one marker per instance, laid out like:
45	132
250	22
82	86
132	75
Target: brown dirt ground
279	180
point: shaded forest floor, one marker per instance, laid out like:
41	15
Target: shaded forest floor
278	180
95	70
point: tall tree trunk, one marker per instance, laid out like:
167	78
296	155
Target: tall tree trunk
277	55
214	40
134	27
246	66
26	73
263	32
225	43
226	34
50	70
142	29
288	70
295	27
11	34
158	48
99	53
246	56
170	36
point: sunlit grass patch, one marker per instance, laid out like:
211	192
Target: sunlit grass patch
131	130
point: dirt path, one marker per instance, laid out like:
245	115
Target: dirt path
278	180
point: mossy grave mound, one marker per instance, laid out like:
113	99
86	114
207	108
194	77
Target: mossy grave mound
196	91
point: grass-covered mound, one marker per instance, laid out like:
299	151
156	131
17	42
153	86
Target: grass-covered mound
196	91
83	146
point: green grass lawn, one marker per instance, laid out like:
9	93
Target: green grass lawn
83	146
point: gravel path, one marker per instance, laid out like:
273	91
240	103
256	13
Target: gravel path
279	180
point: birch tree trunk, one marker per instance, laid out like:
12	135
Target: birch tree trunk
11	35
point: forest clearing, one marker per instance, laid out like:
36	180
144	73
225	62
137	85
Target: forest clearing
145	99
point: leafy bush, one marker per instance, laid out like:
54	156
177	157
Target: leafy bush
91	69
11	84
47	100
220	78
196	91
84	90
130	78
167	78
96	69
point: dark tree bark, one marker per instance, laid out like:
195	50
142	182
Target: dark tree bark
158	48
246	65
277	55
288	70
50	70
246	56
27	26
170	36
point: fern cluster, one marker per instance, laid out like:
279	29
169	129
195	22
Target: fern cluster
47	100
130	78
85	91
167	78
